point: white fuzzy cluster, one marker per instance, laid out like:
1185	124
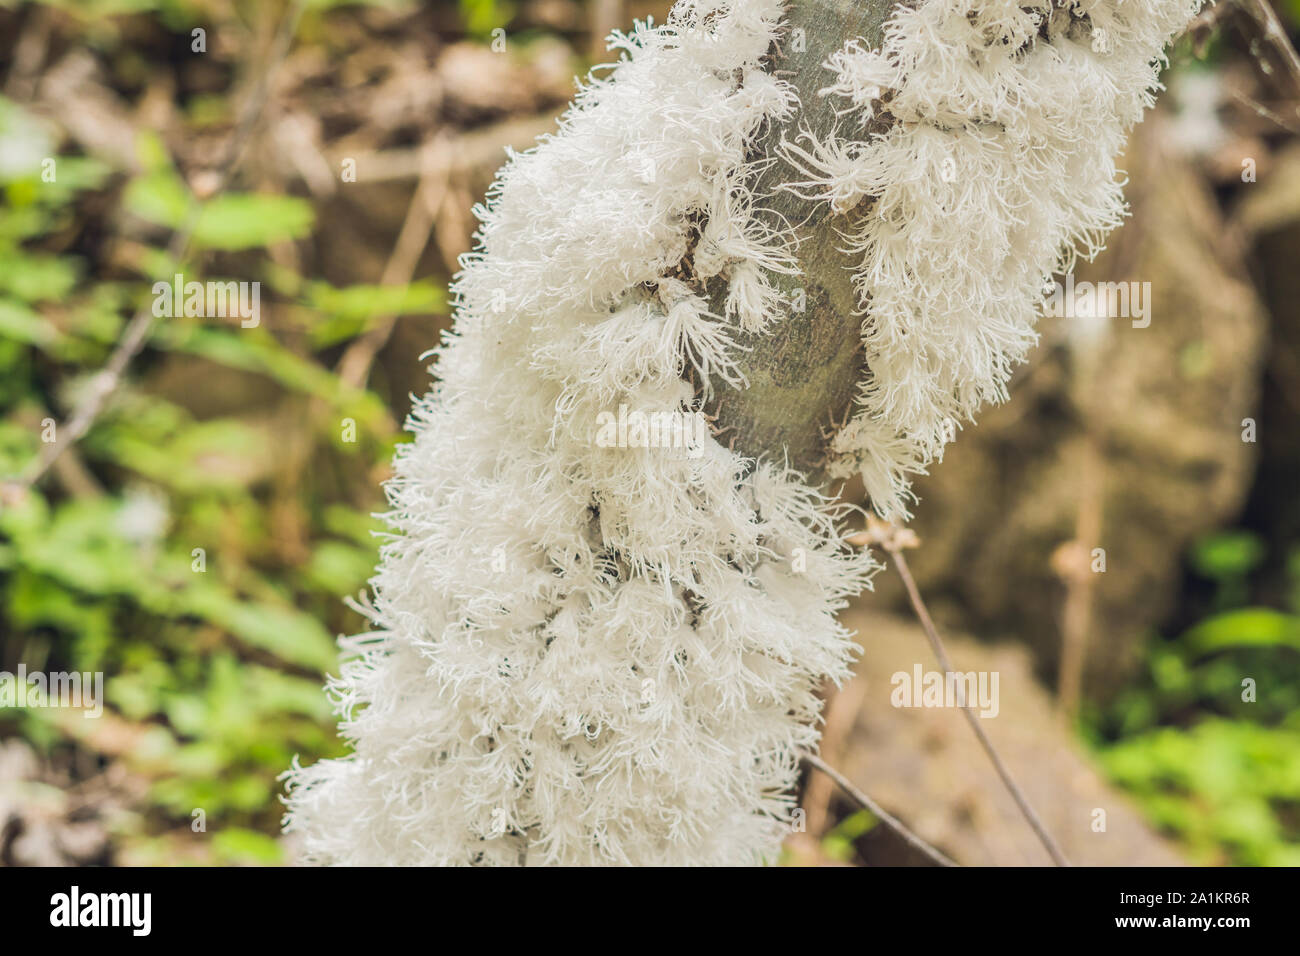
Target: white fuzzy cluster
589	654
998	169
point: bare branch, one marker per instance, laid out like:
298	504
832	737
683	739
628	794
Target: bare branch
1263	111
427	200
864	801
893	540
1266	17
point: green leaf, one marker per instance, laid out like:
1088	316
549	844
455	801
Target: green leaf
231	221
224	453
1229	555
153	153
346	313
338	568
277	692
252	352
255	350
286	632
236	221
35	600
159	197
235	846
1248	627
38	278
74	174
19	322
354	525
82	548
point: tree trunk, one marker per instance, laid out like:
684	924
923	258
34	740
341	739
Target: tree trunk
803	371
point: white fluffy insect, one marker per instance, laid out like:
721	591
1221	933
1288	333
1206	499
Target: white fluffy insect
587	654
998	170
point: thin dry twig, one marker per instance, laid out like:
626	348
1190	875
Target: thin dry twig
137	331
1266	17
1263	111
470	152
28	54
841	708
876	809
354	367
1073	563
1273	32
893	540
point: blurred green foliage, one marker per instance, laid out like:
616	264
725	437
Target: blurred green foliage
1209	740
481	17
839	842
197	559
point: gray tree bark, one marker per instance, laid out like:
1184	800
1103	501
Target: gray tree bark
803	371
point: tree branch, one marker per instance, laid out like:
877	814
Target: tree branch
864	801
893	540
802	373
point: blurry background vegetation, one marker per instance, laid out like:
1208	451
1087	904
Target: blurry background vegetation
196	544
